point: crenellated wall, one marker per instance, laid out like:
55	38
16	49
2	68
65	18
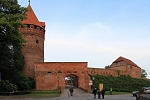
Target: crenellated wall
106	72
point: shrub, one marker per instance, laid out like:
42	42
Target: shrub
25	83
5	86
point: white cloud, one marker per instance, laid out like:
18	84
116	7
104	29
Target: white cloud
77	45
93	38
95	31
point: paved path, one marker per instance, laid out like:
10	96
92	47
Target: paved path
80	95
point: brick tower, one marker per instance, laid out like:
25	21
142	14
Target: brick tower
34	34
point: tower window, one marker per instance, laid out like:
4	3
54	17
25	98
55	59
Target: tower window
37	41
49	72
35	26
28	26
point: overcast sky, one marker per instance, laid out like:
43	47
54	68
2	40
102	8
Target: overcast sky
95	31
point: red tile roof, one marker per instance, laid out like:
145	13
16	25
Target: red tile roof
126	60
42	23
31	18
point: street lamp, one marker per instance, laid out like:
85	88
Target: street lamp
93	81
93	78
58	82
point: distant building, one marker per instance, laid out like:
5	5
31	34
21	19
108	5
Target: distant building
127	66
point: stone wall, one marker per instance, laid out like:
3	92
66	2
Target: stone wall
50	75
33	50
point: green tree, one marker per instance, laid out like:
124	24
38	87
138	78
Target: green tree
11	41
143	73
107	67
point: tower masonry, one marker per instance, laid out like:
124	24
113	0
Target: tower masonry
34	34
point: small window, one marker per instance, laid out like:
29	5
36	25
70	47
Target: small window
37	41
35	26
59	72
49	72
28	26
75	72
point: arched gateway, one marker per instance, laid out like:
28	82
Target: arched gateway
51	75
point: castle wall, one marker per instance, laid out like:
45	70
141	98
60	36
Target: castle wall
47	73
105	72
33	50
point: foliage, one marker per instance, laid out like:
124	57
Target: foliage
24	83
143	73
121	83
11	41
5	86
107	67
11	44
118	72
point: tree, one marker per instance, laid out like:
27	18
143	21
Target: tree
107	67
143	73
11	41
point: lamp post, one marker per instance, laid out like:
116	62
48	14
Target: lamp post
93	81
58	82
59	88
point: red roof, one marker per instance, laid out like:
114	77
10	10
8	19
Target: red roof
31	18
42	23
126	60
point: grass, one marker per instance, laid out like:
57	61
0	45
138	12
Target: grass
114	92
117	93
39	94
47	94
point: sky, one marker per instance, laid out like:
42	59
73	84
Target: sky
95	31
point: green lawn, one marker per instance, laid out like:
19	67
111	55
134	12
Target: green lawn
115	93
47	94
39	94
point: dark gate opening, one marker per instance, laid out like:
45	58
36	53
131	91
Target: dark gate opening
71	81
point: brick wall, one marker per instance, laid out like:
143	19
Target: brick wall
47	73
33	50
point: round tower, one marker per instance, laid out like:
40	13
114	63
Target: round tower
34	34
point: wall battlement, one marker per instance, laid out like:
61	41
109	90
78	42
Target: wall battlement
33	30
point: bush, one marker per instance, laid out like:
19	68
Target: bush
121	83
25	83
5	86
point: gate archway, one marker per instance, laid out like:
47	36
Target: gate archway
71	80
52	75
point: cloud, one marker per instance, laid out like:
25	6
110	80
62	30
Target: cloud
73	45
95	38
95	31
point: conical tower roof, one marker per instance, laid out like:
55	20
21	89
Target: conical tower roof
31	17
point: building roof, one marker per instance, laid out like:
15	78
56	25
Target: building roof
125	60
31	18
